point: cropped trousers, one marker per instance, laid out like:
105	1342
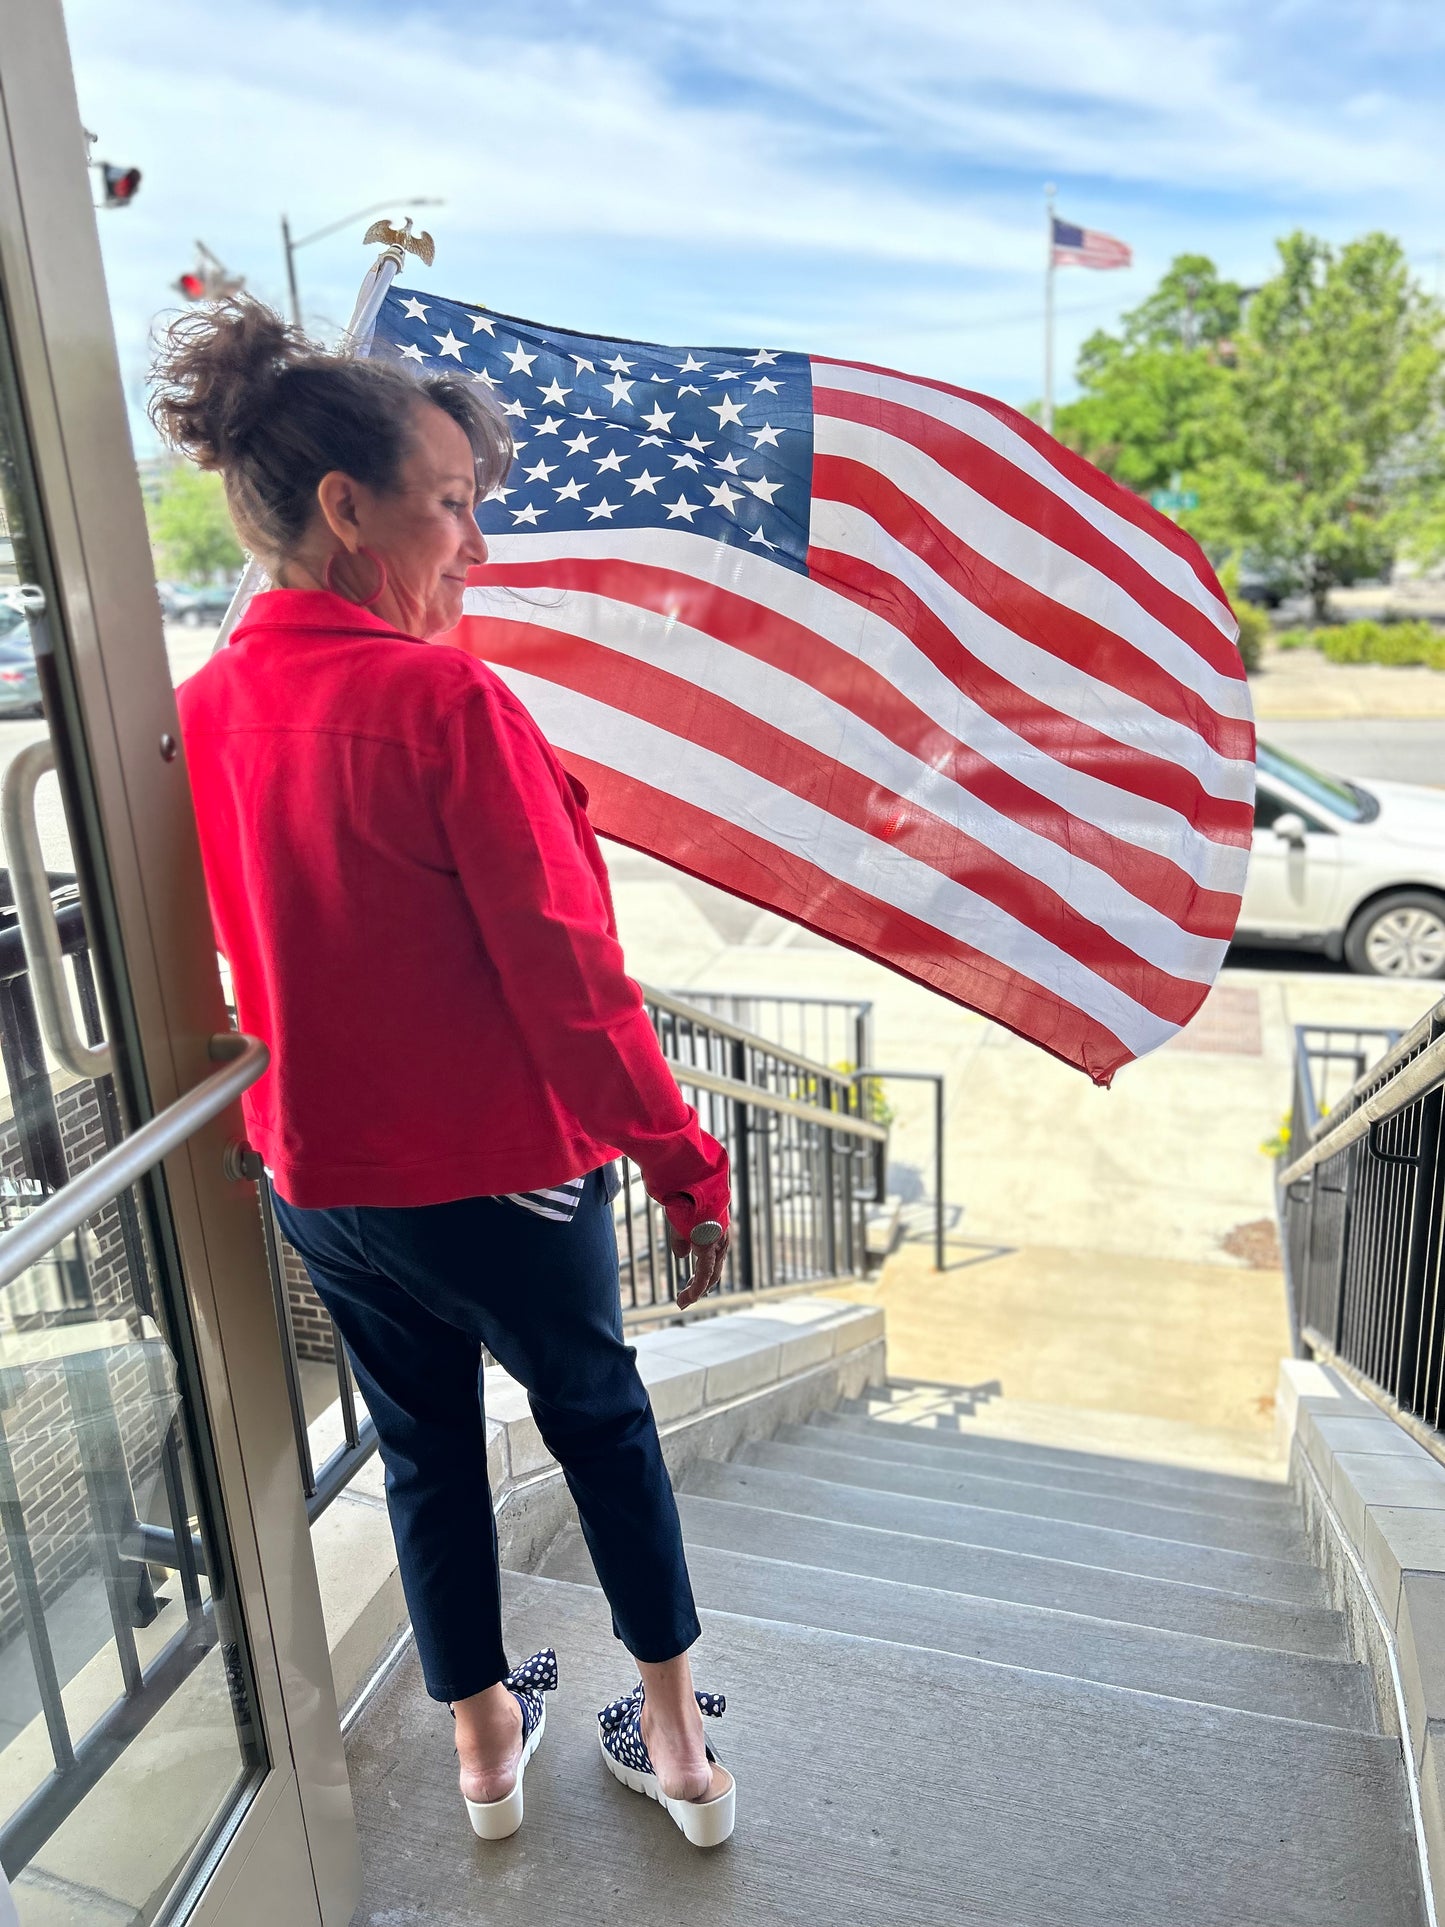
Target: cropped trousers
416	1293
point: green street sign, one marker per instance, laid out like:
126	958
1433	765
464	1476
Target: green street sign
1173	500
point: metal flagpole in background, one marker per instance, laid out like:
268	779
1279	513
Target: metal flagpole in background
1048	412
400	242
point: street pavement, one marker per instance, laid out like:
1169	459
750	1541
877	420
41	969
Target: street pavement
1386	749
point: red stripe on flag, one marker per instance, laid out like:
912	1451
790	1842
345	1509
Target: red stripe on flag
677	705
1037	507
1071	466
1030	614
854	685
647	819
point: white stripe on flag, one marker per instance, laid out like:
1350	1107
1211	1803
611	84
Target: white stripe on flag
803	713
1151	554
725	790
1046	677
869	638
1022	552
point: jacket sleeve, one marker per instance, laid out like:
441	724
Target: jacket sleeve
543	916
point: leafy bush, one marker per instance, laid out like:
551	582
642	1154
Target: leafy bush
1254	624
1254	632
1398	643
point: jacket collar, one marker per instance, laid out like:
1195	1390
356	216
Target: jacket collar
310	610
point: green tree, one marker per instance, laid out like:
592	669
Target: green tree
1330	428
190	527
1154	394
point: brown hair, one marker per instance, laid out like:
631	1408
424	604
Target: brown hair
239	391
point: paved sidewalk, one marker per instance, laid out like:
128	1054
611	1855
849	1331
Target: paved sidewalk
1102	1242
1302	684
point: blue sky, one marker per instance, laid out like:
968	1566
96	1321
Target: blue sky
851	177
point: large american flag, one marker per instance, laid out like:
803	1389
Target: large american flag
872	652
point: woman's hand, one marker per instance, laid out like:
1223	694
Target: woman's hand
707	1267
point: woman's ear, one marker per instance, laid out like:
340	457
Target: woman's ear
336	498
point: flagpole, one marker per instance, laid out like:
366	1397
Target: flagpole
1048	411
356	341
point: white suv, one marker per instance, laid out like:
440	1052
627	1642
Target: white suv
1356	872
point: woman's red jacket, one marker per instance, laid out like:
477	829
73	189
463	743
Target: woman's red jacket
418	923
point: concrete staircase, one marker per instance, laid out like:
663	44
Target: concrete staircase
972	1678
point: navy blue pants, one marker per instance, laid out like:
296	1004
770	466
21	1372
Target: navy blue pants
416	1294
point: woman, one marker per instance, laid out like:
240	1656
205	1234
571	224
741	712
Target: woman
418	923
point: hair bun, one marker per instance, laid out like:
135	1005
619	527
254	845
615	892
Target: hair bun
216	373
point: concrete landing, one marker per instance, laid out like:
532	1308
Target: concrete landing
880	1785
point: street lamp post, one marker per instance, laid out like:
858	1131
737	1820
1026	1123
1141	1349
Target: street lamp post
335	227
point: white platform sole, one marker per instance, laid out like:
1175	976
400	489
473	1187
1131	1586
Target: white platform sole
500	1819
703	1823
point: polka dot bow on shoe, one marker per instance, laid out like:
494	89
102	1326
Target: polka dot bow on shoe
706	1823
528	1682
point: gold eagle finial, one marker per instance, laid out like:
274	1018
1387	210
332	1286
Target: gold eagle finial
402	239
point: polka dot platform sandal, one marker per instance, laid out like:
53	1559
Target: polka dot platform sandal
498	1819
705	1823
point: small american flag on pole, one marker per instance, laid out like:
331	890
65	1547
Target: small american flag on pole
1086	247
872	652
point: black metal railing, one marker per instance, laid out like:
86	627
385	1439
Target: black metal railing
1362	1208
93	1478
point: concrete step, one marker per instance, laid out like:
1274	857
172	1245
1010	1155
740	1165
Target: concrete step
1153	1478
876	1787
1172	1442
1290	1580
748	1522
1331	1692
1275	1537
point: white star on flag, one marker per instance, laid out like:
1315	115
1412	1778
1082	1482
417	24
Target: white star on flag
604	509
658	419
521	361
692	366
412	353
764	490
554	393
449	345
580	443
529	514
767	433
726	411
413	309
681	510
480	322
723	497
571	491
541	471
549	425
763	358
612	460
619	390
646	480
622	367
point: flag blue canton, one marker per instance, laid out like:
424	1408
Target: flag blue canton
627	434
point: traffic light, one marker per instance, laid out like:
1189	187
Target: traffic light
118	184
209	279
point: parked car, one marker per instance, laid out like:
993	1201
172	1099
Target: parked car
19	679
1354	870
195	606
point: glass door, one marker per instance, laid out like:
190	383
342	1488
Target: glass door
168	1738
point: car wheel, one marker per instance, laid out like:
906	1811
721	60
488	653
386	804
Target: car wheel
1400	935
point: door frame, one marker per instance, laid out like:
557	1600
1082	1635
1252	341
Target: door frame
125	788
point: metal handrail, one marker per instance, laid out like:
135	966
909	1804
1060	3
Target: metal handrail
1413	1081
849	1123
705	1020
244	1059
